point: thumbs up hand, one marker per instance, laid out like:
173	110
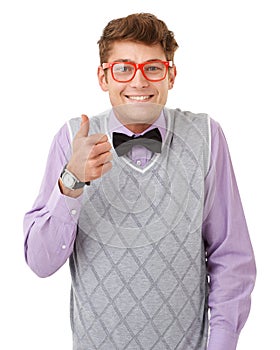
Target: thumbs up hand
91	157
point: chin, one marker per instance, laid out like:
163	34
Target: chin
138	112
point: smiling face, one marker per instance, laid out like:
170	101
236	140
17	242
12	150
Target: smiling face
139	90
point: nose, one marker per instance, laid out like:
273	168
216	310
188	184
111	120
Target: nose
139	80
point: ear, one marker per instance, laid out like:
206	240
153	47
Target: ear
171	77
102	79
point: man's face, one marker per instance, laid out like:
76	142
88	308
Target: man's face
138	90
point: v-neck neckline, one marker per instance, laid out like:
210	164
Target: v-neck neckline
129	162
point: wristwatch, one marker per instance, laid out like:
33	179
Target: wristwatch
70	181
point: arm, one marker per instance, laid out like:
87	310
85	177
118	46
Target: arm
230	258
50	227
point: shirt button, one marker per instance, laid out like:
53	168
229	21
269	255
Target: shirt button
73	212
63	246
139	162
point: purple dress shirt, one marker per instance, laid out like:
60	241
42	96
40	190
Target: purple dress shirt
50	231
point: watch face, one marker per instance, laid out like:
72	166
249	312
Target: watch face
68	180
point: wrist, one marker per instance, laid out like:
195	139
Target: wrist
68	192
70	181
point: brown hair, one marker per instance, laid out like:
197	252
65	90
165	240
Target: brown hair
139	27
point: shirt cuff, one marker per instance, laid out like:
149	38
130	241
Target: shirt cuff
221	339
63	207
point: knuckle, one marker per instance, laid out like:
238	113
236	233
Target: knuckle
93	163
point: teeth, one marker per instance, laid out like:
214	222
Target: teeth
139	98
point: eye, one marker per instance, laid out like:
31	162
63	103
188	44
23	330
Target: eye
154	67
122	68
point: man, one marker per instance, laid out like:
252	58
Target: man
143	201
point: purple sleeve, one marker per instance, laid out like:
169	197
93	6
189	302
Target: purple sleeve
230	257
50	226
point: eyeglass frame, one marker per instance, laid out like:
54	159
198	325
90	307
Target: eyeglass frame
110	65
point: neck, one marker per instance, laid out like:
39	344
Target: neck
137	128
137	117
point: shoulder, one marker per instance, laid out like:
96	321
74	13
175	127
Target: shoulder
62	137
187	119
96	123
183	122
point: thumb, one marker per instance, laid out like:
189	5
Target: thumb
84	126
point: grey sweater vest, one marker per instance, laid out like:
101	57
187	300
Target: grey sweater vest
138	267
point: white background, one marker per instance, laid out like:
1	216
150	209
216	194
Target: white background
228	66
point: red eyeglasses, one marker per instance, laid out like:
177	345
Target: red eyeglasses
124	72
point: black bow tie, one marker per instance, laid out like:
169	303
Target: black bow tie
151	140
